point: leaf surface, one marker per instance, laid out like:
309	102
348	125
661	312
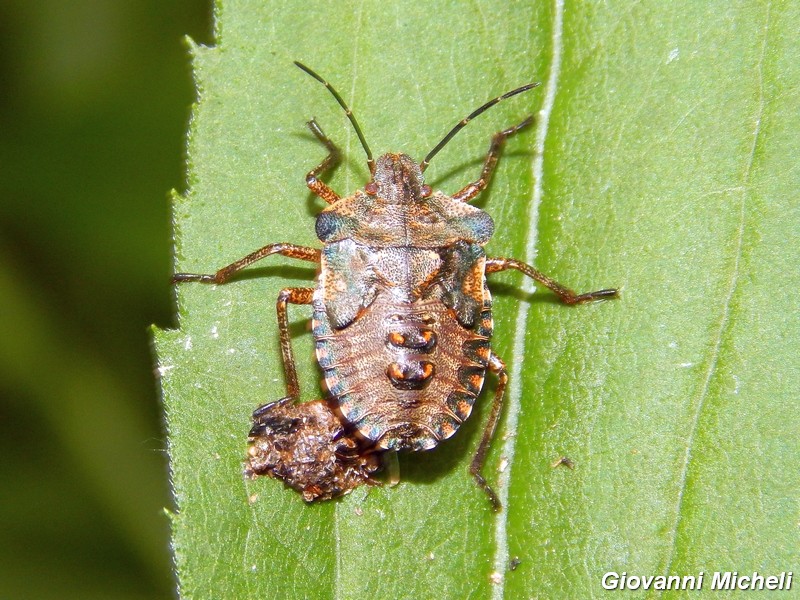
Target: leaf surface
663	162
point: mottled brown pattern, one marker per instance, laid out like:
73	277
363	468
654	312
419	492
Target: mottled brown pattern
434	223
402	321
383	412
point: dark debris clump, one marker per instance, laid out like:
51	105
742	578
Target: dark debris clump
306	446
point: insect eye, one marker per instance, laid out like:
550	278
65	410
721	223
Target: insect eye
371	188
426	191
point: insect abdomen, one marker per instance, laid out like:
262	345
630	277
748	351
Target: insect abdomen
404	374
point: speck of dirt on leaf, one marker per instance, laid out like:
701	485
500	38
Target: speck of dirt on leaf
673	55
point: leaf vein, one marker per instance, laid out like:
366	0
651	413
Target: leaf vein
725	317
513	406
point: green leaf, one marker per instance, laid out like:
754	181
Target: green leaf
669	169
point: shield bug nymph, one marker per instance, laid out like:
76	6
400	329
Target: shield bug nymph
401	319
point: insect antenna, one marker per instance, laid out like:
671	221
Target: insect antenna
463	122
347	111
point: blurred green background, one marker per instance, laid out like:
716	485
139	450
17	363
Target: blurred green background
94	106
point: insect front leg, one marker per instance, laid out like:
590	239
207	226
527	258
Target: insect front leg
225	273
566	295
498	139
285	297
498	367
320	188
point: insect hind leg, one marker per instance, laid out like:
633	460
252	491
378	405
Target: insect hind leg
498	367
285	297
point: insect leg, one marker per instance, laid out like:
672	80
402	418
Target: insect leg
315	185
225	273
285	297
498	367
498	139
566	295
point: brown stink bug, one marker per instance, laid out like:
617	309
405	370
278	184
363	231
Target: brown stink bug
402	321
